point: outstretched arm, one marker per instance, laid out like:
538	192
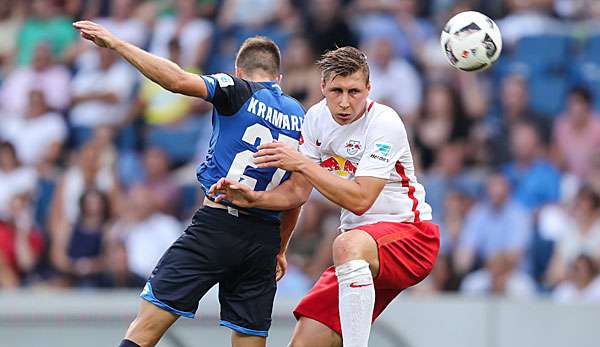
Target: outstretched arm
162	71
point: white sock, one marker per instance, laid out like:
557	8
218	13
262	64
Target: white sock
356	302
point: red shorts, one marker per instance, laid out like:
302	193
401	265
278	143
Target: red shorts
407	253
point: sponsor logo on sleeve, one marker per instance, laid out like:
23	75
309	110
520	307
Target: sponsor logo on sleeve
381	152
224	80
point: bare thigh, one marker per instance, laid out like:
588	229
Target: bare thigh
150	324
311	333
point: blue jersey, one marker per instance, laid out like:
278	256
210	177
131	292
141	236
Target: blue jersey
247	114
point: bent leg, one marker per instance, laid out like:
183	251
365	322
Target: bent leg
311	333
356	245
356	261
149	325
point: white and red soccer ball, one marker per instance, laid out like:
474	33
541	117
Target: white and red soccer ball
471	41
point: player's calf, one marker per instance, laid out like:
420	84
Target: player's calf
355	254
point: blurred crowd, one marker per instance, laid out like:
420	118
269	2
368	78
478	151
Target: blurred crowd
97	164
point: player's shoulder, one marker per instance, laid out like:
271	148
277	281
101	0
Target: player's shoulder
385	116
317	111
295	105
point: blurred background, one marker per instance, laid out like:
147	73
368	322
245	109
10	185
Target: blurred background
97	164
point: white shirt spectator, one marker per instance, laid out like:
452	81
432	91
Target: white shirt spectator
191	36
574	243
147	240
568	292
118	79
132	30
33	136
397	86
20	180
53	82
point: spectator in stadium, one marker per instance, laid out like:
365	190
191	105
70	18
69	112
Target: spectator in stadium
525	18
500	277
387	72
21	244
581	235
45	22
16	179
39	136
161	107
535	180
398	20
327	26
442	120
86	172
123	21
577	133
145	232
513	108
77	249
100	96
157	179
194	34
498	225
11	18
43	75
302	77
449	174
583	284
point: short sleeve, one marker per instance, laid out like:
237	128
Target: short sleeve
308	137
386	143
227	93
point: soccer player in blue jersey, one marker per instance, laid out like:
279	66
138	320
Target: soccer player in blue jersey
243	250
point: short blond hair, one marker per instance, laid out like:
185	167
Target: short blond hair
259	53
343	61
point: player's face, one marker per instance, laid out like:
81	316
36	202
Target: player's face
346	96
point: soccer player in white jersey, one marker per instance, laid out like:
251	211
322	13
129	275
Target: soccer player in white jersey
356	153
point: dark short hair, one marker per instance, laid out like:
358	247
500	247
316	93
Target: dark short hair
583	93
343	61
259	53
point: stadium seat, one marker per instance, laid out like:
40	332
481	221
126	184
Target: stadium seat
544	53
547	94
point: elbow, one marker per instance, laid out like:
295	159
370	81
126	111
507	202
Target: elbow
359	208
176	83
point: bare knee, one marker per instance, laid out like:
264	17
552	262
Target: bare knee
353	245
149	325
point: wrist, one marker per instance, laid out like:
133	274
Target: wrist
304	164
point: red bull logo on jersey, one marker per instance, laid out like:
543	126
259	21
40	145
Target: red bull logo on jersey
339	166
352	147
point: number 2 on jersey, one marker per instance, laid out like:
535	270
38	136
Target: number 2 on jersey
244	159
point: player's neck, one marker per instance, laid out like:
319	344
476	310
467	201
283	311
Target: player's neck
258	77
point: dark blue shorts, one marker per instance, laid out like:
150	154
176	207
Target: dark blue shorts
238	253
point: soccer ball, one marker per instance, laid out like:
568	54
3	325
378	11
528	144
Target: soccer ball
471	41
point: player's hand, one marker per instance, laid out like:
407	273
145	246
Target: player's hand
237	193
281	266
96	33
279	155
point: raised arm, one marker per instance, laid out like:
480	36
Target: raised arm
162	71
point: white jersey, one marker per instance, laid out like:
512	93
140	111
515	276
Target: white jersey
375	145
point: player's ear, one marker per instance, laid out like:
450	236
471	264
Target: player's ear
368	85
279	78
323	86
238	72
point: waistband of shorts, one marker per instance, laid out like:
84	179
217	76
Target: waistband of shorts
233	212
